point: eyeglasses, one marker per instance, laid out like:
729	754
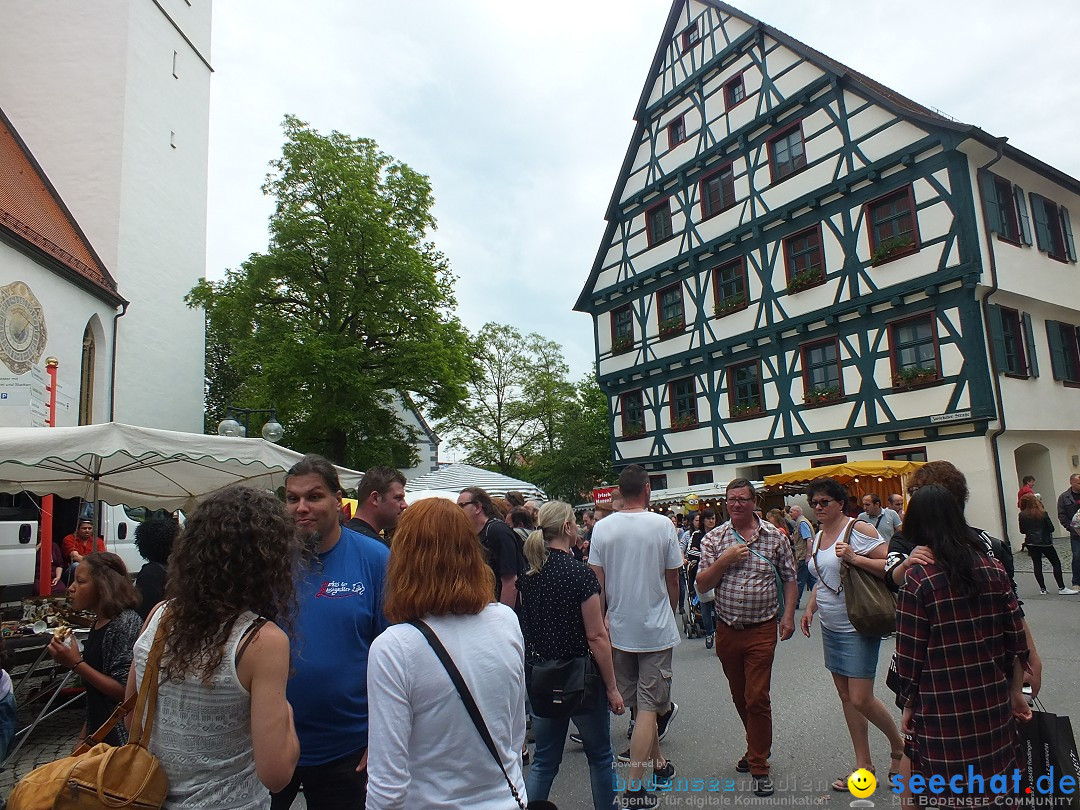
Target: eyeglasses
740	501
463	504
822	503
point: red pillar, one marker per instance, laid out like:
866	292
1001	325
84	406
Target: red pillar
46	566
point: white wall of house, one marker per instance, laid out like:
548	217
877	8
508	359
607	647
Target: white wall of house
68	310
112	98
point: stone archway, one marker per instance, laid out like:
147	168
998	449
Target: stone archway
1034	459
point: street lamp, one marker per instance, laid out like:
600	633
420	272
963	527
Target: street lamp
272	430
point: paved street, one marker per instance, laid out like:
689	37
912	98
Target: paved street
811	746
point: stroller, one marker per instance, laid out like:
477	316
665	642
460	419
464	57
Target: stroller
693	626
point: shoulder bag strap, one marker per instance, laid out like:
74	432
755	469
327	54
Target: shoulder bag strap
467	699
249	636
846	535
146	705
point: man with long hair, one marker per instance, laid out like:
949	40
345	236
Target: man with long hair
340	613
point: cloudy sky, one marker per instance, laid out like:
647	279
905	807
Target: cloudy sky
521	113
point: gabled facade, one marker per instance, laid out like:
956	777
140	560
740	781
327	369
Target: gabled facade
801	265
57	298
113	98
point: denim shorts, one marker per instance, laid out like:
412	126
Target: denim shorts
851	654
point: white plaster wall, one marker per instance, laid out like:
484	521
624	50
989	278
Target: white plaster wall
69	111
162	227
68	309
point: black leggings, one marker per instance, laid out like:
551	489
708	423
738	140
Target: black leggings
1037	553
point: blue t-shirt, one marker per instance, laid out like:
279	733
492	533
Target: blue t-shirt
340	615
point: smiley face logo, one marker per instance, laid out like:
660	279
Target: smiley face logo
862	783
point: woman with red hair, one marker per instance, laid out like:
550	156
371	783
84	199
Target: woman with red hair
424	750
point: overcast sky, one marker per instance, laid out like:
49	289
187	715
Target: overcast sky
521	113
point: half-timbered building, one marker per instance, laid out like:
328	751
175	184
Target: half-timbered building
801	265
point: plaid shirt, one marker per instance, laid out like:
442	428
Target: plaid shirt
746	593
954	657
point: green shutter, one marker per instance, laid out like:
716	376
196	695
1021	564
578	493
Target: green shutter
1057	350
997	339
1022	214
1070	245
1029	344
990	202
1042	223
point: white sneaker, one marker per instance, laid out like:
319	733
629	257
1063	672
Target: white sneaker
1068	591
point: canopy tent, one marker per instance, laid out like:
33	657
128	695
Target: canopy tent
137	466
858	477
455	477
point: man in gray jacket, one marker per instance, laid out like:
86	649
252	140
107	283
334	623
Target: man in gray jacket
1067	504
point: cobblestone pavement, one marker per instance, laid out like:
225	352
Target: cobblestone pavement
52	739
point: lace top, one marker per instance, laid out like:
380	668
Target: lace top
202	732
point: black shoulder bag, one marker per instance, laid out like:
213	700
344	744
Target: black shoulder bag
467	699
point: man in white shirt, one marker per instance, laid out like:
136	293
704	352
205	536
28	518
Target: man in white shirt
886	521
635	554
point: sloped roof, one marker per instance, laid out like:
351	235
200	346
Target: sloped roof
455	477
876	91
32	212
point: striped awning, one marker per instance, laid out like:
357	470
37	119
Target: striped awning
455	477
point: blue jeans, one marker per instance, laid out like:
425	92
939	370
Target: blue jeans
7	724
1074	542
806	581
595	729
707	619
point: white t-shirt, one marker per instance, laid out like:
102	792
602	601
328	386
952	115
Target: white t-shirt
636	550
423	749
832	607
886	523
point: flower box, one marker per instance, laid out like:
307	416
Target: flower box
729	305
822	395
914	377
684	422
634	430
892	247
672	326
622	345
805	279
746	411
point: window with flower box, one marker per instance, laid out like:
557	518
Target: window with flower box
744	389
622	329
669	305
894	230
804	260
729	283
633	414
914	351
821	372
682	394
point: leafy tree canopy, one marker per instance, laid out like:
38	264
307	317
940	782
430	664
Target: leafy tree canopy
350	303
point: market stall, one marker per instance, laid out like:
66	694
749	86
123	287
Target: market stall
858	477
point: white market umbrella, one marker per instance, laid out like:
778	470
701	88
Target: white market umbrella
455	477
137	466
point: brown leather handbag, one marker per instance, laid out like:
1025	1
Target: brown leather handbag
99	775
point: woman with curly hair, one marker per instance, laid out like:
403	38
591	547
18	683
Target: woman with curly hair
223	729
101	585
423	749
154	539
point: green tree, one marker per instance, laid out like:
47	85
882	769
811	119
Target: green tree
496	424
350	303
580	456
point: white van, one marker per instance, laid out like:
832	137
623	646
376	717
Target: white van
20	517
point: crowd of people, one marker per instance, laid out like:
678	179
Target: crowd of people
354	660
